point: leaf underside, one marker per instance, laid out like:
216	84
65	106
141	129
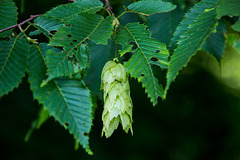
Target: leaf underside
191	36
8	16
139	65
13	61
151	7
67	100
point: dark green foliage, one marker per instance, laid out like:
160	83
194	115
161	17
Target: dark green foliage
76	39
151	7
8	16
190	36
68	101
139	65
215	43
13	61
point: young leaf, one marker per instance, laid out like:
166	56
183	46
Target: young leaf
190	42
8	16
215	43
189	17
228	8
13	61
68	101
55	18
147	7
139	65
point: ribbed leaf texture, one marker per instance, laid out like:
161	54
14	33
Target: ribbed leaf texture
189	17
236	26
80	28
163	25
139	65
61	64
45	25
191	41
13	61
8	16
147	7
228	8
67	100
54	18
215	43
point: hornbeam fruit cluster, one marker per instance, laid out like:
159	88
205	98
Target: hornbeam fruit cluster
117	101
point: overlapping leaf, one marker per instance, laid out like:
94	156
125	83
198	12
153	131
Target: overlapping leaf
55	18
215	43
191	40
189	17
8	16
147	7
61	64
139	65
70	37
228	8
68	101
163	25
13	61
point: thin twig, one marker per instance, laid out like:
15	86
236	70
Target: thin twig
109	7
20	24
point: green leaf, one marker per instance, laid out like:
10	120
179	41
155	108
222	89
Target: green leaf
82	27
236	26
191	41
228	8
147	7
163	25
56	17
13	61
37	123
67	100
66	11
139	65
46	24
215	43
8	16
62	64
189	17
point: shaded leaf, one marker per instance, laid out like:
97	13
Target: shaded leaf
151	7
8	16
189	17
163	25
228	8
215	43
139	64
68	101
191	41
236	26
13	61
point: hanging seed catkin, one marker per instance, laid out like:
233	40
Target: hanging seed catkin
117	101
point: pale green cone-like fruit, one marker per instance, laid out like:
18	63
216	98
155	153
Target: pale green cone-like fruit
117	101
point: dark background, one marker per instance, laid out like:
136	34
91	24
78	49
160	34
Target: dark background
199	120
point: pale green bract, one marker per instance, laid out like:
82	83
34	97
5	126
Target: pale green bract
117	101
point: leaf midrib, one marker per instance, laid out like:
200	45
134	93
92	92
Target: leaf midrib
155	89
